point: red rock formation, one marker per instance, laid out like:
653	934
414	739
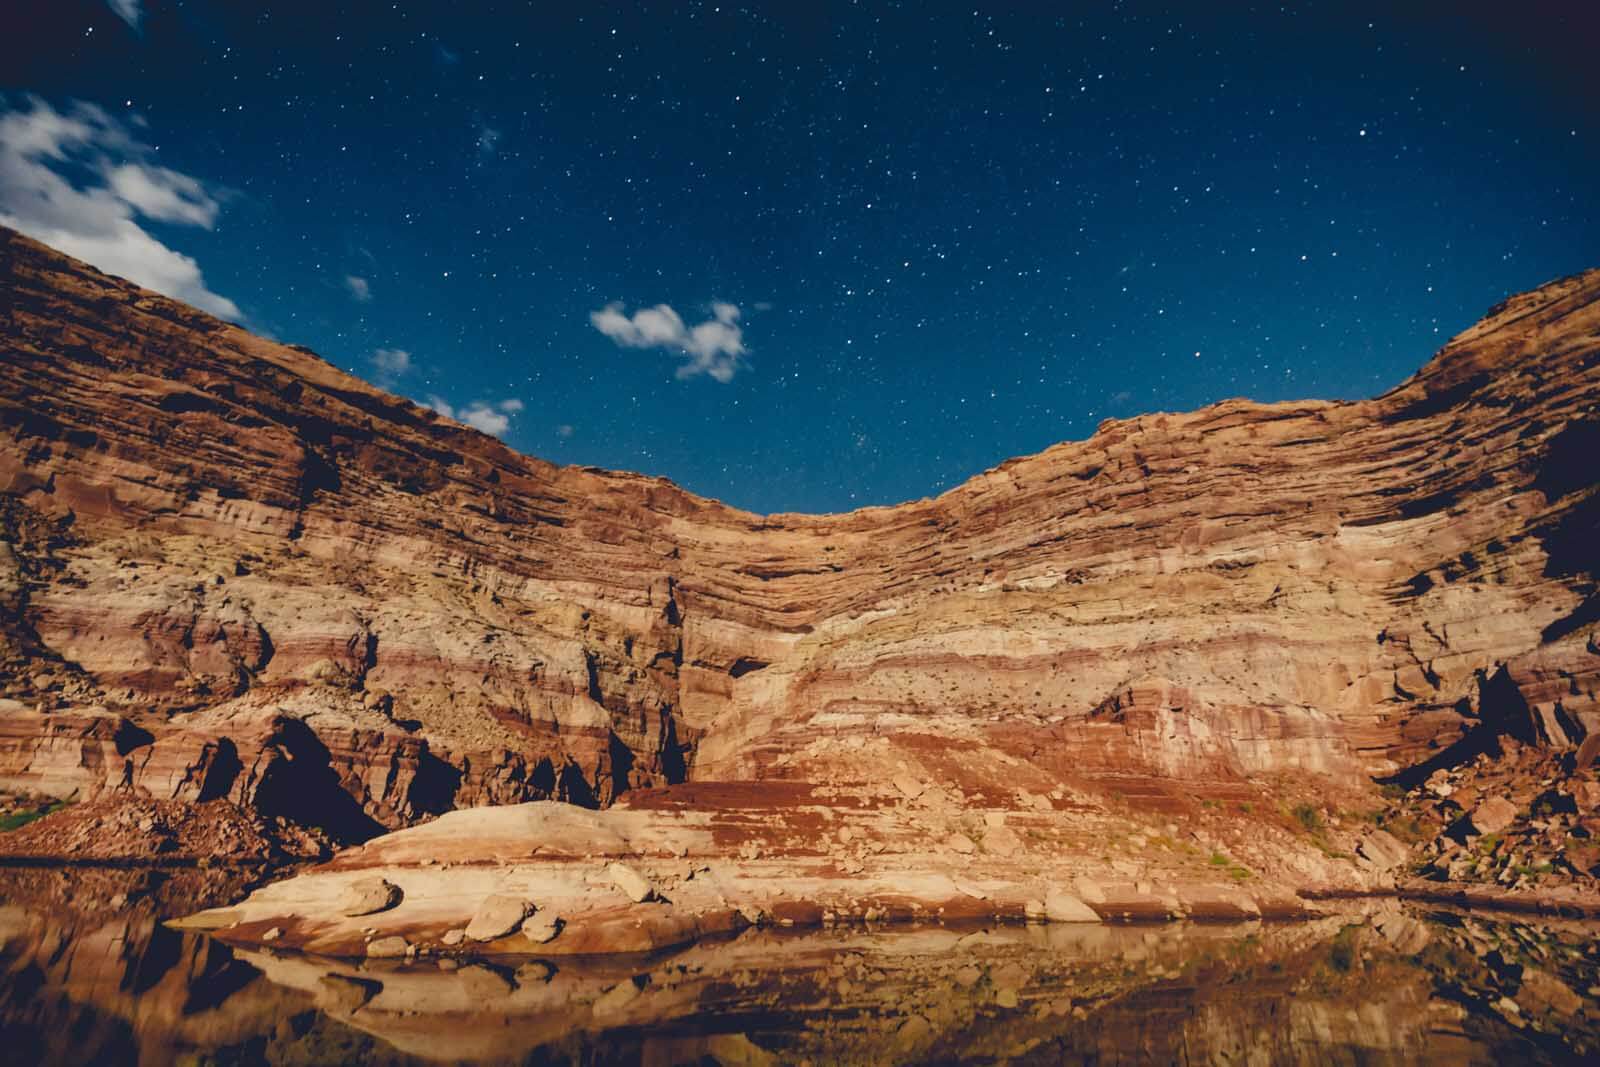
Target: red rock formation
229	568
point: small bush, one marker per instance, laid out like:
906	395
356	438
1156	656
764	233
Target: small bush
1309	818
18	819
1342	953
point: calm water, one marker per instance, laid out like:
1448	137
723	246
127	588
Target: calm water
1385	987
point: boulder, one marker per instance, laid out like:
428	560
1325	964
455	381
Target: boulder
497	916
541	927
1383	850
970	889
1003	842
1090	890
1492	815
630	881
387	948
911	787
1543	993
1063	907
369	895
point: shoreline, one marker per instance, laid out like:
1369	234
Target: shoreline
643	929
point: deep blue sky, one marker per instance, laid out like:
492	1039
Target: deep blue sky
953	233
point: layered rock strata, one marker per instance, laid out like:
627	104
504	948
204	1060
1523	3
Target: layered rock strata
230	570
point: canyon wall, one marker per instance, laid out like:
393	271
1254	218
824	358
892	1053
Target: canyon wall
229	569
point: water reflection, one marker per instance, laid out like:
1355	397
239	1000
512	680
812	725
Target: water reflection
1390	986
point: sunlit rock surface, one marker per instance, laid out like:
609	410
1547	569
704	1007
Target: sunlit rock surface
1167	660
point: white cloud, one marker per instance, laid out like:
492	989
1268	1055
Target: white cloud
359	287
97	222
565	430
162	194
129	11
483	417
493	418
714	347
391	363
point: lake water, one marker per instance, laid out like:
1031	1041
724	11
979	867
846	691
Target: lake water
1388	986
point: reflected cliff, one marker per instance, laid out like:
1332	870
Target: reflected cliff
1387	986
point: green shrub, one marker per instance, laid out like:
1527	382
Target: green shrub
18	819
1308	817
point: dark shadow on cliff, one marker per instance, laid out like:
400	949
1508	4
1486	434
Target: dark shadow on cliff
1502	712
433	791
303	788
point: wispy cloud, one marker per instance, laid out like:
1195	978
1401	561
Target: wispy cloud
97	220
162	194
492	417
129	11
715	347
391	364
359	287
488	140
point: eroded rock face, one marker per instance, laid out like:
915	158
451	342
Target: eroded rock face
230	569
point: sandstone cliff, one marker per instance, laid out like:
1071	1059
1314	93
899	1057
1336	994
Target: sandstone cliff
228	569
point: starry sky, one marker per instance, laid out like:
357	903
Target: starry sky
816	256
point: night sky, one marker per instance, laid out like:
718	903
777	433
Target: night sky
877	247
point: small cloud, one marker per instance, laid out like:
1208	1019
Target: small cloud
483	417
565	431
79	180
493	418
488	140
392	364
715	347
359	287
129	11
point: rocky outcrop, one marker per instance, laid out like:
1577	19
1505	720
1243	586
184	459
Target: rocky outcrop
231	570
